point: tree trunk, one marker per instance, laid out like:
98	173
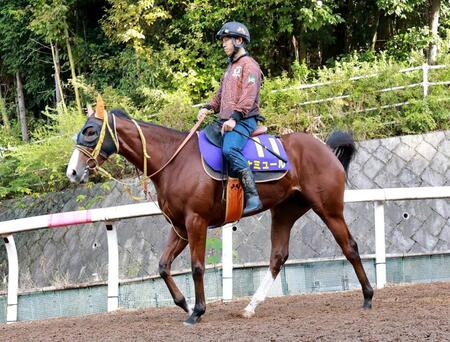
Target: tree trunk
56	68
295	45
375	32
301	47
58	84
434	25
72	70
22	110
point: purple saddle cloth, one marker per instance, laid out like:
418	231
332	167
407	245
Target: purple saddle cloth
259	159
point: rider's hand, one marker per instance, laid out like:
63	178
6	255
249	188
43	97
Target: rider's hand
202	114
228	125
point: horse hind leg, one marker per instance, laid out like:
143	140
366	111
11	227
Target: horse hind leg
283	217
339	229
174	246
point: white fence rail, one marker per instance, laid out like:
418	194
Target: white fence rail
111	214
425	80
425	84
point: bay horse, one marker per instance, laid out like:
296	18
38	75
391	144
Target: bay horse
191	200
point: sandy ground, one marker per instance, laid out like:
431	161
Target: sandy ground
400	313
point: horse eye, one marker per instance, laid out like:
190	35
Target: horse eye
89	131
89	134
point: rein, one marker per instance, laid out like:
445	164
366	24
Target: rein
146	156
98	151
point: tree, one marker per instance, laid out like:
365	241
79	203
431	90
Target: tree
12	36
22	108
139	48
49	20
434	24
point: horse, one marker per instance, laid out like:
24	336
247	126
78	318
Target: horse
191	200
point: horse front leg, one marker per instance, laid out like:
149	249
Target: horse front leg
174	246
197	230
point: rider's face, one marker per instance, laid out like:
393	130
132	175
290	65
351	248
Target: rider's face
227	44
228	47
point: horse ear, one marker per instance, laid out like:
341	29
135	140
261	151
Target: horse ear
90	112
100	108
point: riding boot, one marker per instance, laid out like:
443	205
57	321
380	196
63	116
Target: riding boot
252	201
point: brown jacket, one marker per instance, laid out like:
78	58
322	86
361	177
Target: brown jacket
239	89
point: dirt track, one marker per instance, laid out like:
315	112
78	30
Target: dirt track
400	313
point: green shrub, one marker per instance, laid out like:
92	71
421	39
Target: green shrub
40	166
414	39
361	104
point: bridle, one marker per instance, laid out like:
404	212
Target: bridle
92	155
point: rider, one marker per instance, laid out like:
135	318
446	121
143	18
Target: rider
237	102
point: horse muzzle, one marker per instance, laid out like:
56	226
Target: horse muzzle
78	177
77	172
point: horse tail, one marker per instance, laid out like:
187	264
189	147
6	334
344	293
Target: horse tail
343	146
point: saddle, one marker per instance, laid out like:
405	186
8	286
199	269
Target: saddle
265	166
260	160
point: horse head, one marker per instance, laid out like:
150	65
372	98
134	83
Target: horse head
95	142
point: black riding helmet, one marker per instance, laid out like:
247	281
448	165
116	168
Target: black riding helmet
234	29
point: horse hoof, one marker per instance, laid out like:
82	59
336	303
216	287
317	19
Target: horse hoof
192	320
188	323
248	314
367	305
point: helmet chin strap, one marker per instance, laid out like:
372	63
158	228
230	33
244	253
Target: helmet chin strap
236	49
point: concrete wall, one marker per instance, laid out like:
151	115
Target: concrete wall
78	254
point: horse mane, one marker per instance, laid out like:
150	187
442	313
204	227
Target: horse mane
122	114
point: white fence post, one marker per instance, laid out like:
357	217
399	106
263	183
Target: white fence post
380	245
425	82
227	262
13	279
113	268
